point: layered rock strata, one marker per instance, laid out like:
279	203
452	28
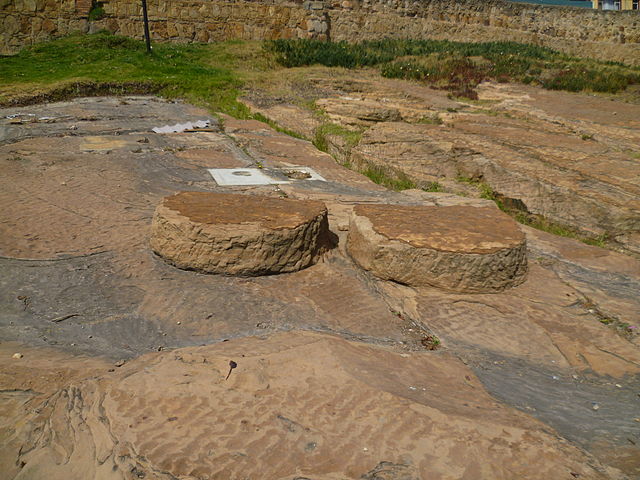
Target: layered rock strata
239	234
460	249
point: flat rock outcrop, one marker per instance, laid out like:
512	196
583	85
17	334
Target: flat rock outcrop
456	248
239	234
281	414
561	347
570	158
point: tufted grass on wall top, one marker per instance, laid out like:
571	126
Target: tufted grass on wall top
459	66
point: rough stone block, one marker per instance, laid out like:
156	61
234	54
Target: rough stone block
239	234
456	248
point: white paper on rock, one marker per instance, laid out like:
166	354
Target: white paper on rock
181	127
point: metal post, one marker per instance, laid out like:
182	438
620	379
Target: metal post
147	39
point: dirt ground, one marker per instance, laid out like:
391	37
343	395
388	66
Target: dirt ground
121	358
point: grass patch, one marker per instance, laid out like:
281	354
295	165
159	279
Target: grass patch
461	66
541	223
351	137
390	179
261	118
97	11
79	64
517	210
431	120
433	187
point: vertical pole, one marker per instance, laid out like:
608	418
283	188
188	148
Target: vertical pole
145	18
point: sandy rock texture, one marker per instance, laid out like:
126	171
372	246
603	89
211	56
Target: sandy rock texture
297	405
457	248
570	158
239	234
123	358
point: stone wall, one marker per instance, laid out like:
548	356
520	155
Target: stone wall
583	32
206	20
606	35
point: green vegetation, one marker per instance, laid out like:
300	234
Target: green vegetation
394	180
431	120
297	53
460	67
211	76
104	63
261	118
97	11
518	211
433	187
351	137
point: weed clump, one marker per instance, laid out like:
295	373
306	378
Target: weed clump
97	11
460	66
394	180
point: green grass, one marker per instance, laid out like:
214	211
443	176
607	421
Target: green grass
320	141
387	177
97	11
261	118
297	53
201	74
459	66
433	187
431	120
531	220
394	180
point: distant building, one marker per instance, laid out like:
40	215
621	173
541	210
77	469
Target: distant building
616	4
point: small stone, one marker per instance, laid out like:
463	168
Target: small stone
17	355
178	323
596	407
120	363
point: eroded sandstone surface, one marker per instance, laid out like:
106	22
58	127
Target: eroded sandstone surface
570	158
115	364
239	234
282	413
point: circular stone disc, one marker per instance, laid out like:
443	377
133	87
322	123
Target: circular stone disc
457	248
239	234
